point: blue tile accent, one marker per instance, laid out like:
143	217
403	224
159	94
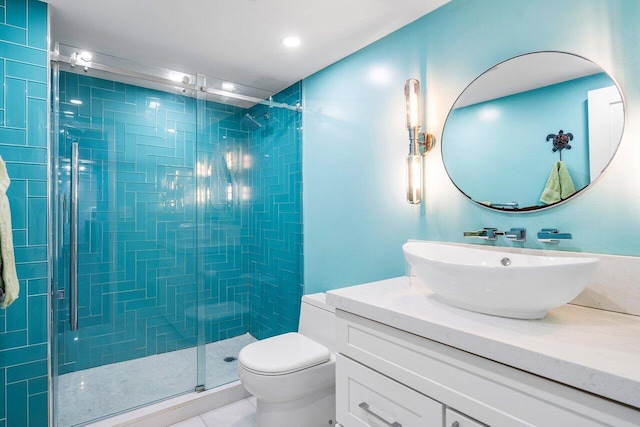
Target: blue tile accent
37	305
13	339
37	122
38	385
26	71
30	253
37	417
17	407
37	24
37	188
26	370
20	355
25	154
24	171
3	392
13	136
37	90
32	269
38	286
16	108
37	223
18	192
23	325
13	34
17	13
23	53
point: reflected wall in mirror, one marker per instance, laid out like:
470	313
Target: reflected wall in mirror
498	140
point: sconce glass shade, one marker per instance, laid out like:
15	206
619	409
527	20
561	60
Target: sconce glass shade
412	97
414	178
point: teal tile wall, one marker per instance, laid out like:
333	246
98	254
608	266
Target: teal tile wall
356	217
23	146
275	218
224	213
139	236
163	208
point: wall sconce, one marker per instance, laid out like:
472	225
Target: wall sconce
420	143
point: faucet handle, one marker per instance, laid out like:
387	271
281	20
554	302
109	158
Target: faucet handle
489	233
516	235
552	235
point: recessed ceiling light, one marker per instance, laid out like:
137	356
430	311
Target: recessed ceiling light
228	86
291	41
75	101
86	56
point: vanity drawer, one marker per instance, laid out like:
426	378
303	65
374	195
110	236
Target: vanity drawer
363	395
456	419
490	392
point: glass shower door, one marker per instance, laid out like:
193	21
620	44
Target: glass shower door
125	261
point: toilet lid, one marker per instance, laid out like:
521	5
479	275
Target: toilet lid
283	354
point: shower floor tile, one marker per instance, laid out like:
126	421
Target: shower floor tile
105	390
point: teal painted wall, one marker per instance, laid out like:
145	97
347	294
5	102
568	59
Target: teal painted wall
355	214
23	146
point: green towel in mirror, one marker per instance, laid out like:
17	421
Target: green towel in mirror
559	185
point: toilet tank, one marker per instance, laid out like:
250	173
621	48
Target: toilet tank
317	320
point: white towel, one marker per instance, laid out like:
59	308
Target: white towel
8	277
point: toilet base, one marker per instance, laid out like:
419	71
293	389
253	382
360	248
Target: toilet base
315	410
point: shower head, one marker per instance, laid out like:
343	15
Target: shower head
250	122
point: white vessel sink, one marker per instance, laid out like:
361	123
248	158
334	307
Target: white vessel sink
498	283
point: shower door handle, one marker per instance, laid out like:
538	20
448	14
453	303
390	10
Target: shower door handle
73	239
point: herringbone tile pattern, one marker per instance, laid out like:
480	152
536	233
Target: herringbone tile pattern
275	224
174	213
139	238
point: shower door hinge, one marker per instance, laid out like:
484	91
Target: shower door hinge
200	388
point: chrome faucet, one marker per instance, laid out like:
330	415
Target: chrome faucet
487	233
552	235
515	234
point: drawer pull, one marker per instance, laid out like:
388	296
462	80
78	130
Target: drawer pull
365	407
455	424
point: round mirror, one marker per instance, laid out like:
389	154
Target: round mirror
533	131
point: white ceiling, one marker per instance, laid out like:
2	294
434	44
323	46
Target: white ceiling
233	40
524	73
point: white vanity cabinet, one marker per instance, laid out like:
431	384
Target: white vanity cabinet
389	377
365	397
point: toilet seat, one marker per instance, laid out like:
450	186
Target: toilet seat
283	354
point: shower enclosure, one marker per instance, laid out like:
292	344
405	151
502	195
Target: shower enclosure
177	230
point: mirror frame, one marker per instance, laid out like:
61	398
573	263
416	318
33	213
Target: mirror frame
578	192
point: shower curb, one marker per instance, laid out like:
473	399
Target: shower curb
177	409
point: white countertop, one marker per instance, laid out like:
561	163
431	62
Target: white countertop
593	350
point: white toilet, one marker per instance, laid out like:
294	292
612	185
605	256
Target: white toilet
293	375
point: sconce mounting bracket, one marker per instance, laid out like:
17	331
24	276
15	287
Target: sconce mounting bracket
426	141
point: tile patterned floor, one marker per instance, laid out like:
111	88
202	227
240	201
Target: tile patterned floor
98	392
238	414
